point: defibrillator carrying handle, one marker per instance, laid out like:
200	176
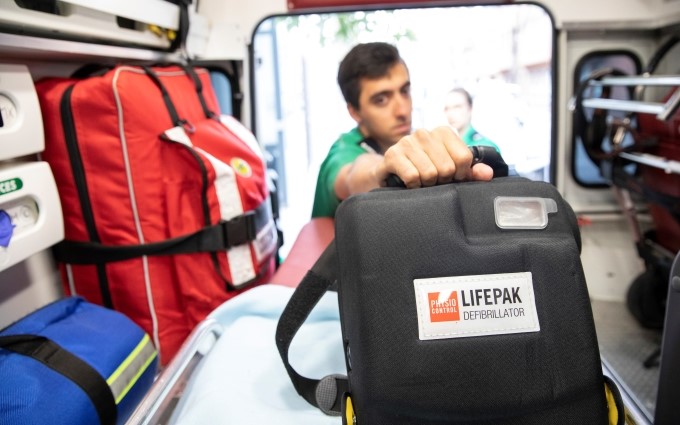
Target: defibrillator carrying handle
480	154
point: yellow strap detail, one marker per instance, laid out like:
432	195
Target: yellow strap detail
129	371
349	410
158	31
611	404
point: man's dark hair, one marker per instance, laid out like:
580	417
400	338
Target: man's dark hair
464	93
368	60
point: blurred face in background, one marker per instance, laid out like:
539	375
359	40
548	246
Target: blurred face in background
458	111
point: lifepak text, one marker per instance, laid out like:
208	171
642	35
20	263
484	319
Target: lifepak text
489	296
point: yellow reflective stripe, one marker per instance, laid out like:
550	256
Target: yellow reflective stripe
350	417
611	404
127	374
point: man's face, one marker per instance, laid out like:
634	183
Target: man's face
385	106
458	111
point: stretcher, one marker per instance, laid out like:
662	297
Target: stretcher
228	371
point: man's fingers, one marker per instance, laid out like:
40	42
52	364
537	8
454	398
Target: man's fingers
401	160
430	162
458	152
434	146
426	158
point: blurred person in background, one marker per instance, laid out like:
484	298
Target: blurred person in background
458	111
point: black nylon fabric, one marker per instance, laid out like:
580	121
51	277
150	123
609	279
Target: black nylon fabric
387	238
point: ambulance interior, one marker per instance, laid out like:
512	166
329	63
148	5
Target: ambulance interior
570	91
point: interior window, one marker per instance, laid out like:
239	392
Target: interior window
585	172
502	55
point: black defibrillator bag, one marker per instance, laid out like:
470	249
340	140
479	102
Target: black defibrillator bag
463	303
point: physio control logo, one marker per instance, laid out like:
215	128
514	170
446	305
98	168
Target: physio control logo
443	310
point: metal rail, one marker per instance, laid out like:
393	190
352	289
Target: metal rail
168	386
665	164
662	110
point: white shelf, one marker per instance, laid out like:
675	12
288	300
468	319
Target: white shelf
22	47
21	124
97	22
28	194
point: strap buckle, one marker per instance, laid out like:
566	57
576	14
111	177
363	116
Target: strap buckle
240	229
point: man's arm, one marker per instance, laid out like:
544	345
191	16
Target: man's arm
358	176
421	159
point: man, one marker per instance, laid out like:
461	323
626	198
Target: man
458	110
375	83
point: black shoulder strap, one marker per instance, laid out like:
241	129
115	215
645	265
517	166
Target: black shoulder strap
219	237
199	90
183	30
172	111
70	366
236	94
326	393
661	53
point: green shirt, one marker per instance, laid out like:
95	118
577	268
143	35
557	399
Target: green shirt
472	138
344	151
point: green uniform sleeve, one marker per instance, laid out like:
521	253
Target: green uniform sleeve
343	152
473	138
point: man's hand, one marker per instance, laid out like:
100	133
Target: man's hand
426	158
423	158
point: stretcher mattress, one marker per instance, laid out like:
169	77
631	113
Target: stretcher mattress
242	380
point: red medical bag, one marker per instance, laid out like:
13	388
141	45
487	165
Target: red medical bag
166	202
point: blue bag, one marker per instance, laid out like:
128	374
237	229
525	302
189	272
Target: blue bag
73	362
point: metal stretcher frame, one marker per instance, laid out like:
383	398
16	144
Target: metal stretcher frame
159	403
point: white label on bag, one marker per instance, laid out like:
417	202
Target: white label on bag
466	306
178	135
226	188
240	264
240	259
265	243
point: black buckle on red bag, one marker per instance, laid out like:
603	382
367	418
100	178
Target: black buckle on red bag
240	229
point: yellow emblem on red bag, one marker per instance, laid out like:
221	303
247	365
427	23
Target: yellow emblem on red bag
241	167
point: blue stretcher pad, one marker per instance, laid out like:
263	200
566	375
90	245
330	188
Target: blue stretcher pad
242	379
